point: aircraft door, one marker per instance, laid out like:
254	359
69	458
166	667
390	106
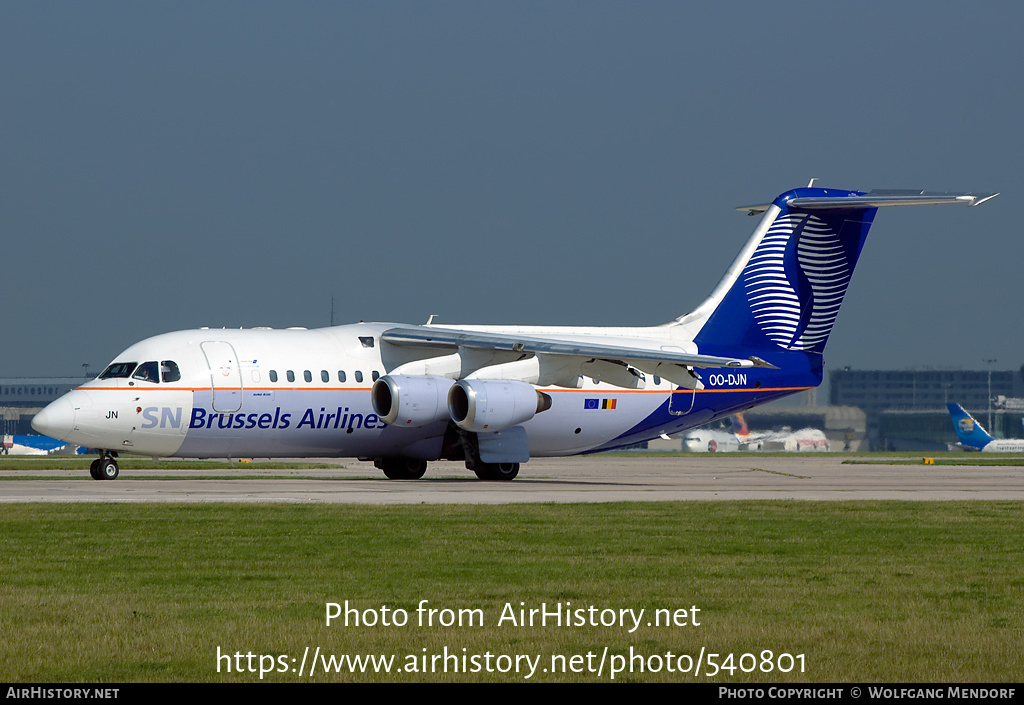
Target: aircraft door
225	377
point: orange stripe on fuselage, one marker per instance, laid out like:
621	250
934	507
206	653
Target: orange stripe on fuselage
606	390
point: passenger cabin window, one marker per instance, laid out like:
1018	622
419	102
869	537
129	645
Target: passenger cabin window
291	376
169	371
341	376
118	370
273	375
375	375
359	376
308	376
325	376
148	372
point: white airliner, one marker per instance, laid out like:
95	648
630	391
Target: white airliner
723	439
710	441
737	437
493	396
973	435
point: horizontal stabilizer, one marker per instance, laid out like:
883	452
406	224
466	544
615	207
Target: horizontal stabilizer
877	199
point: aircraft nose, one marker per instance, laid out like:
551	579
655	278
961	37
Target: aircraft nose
56	420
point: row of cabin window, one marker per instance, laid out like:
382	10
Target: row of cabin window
325	376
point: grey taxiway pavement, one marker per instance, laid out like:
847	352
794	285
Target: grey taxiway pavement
603	478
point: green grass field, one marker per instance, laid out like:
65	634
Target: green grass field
866	591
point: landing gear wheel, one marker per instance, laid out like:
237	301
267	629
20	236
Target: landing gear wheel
94	469
499	472
402	468
108	469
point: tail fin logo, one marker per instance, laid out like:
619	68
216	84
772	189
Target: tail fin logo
796	306
967	425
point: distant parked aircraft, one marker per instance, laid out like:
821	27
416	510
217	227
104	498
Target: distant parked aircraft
973	435
31	445
738	437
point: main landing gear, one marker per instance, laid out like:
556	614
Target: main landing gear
412	469
402	468
105	467
500	472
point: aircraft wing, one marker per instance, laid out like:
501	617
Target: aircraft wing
452	338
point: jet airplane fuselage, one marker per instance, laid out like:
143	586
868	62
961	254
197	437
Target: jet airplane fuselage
293	393
493	396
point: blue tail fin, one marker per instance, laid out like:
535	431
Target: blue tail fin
793	280
784	290
971	433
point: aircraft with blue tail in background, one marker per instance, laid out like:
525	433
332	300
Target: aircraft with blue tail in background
973	436
491	396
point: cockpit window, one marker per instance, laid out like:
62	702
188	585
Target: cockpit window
169	371
148	372
118	370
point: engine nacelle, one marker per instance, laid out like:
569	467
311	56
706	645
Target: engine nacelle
410	401
493	404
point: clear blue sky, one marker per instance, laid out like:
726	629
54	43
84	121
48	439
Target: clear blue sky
175	165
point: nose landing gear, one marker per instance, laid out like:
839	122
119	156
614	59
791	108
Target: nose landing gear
105	467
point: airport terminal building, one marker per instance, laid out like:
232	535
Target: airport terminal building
906	409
